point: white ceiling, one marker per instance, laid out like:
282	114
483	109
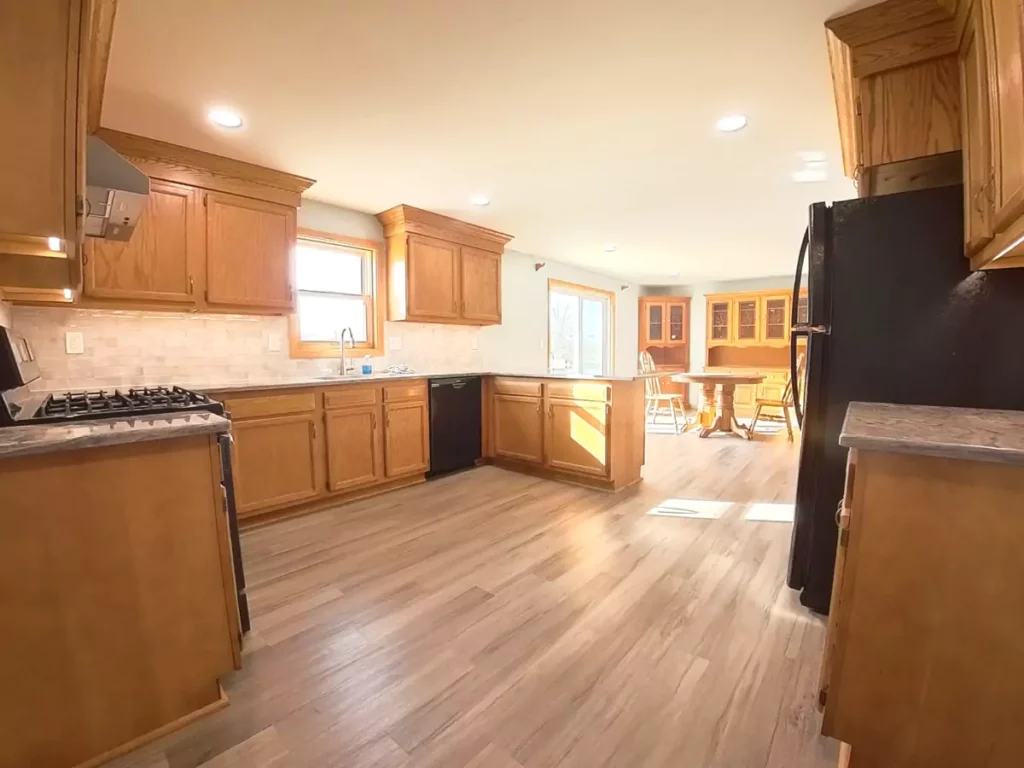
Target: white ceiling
587	122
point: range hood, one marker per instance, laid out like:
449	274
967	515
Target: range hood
115	192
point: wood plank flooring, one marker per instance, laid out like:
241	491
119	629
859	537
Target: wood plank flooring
494	620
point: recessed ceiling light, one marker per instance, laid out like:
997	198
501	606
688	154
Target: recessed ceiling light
480	200
731	123
225	118
53	243
610	248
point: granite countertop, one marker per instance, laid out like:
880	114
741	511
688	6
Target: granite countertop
970	434
48	438
211	387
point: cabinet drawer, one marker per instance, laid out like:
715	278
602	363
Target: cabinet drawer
520	387
579	390
270	405
351	397
414	390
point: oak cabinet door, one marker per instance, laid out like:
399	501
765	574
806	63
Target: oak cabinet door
38	101
355	453
719	321
677	322
249	247
775	313
577	436
1003	39
433	278
480	273
406	438
157	263
976	125
654	323
747	315
745	397
519	428
275	462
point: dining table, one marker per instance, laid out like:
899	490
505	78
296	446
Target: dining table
717	411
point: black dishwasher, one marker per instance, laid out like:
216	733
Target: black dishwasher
454	424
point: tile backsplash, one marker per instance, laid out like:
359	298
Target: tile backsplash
130	348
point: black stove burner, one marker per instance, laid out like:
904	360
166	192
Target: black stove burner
105	404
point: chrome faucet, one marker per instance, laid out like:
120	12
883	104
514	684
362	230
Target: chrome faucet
341	341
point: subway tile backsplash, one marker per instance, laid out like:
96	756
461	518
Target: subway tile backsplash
124	348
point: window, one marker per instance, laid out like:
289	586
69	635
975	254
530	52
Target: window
579	329
337	285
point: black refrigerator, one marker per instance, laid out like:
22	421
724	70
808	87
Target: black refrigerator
894	315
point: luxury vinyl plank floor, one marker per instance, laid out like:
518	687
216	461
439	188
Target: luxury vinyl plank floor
494	620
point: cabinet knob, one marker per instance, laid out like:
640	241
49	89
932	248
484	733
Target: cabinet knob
191	285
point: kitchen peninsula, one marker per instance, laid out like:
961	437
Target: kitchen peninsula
119	608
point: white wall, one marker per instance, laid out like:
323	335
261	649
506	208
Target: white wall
698	309
520	343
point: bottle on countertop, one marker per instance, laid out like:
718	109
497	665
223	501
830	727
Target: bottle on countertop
367	366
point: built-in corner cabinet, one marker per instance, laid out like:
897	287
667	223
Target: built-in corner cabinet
991	58
665	335
441	270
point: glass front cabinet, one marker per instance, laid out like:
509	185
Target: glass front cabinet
665	322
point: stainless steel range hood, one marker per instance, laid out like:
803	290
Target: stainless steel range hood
115	192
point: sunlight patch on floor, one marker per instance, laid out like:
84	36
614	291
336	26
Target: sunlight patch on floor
694	508
763	512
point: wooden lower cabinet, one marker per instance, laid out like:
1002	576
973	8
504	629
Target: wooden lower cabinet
745	398
276	462
577	437
355	451
519	428
406	438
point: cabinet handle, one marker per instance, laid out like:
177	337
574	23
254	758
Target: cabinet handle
551	411
191	285
373	421
990	187
455	305
312	430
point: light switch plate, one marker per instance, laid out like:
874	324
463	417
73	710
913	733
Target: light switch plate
474	344
394	343
274	342
74	343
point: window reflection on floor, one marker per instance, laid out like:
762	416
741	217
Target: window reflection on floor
703	509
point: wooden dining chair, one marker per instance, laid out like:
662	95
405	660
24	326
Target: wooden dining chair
778	409
654	398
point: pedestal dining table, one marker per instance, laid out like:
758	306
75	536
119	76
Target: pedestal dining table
717	413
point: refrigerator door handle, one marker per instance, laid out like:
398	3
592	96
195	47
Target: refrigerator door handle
796	330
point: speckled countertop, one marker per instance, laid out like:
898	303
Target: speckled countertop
48	438
970	434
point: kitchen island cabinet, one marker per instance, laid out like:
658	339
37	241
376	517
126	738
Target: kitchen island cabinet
922	664
118	593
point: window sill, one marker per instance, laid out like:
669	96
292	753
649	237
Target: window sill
310	350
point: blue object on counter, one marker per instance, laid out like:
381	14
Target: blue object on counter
367	366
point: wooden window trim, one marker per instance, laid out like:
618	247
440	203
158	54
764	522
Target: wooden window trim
375	303
586	289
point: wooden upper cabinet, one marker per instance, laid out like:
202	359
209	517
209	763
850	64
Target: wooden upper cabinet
249	245
518	424
1003	37
441	270
42	99
406	438
433	274
355	452
480	285
160	261
677	314
748	319
977	134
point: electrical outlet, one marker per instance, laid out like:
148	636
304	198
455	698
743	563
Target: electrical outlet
394	343
74	343
274	342
474	344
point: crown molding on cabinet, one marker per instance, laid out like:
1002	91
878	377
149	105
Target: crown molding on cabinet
406	218
162	160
